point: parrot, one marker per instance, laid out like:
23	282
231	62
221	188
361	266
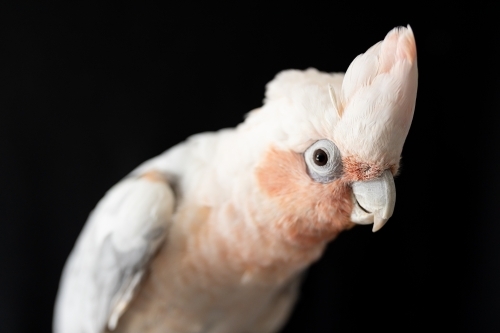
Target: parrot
215	234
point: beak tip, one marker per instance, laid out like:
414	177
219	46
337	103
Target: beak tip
378	223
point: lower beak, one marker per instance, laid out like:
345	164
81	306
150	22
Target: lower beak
374	201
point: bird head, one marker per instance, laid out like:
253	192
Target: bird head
337	139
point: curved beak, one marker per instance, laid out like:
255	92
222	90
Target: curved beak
374	201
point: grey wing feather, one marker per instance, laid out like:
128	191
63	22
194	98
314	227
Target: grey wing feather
111	255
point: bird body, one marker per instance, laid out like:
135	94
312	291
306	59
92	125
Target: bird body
214	235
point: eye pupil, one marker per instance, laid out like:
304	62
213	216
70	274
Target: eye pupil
320	157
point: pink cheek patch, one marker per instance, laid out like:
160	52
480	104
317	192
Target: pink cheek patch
310	212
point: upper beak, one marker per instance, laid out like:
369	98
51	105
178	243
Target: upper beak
374	200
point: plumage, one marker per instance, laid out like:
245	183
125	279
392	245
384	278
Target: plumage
213	235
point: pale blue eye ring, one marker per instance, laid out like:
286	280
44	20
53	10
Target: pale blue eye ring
323	160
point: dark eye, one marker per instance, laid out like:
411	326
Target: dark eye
323	160
320	157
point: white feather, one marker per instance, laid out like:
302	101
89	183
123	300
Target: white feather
378	95
111	254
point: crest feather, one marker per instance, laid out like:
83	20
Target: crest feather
378	99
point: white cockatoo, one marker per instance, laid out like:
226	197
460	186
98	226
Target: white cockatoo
213	235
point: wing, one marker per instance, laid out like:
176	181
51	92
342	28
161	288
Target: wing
112	254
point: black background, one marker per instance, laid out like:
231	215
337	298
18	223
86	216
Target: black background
91	90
